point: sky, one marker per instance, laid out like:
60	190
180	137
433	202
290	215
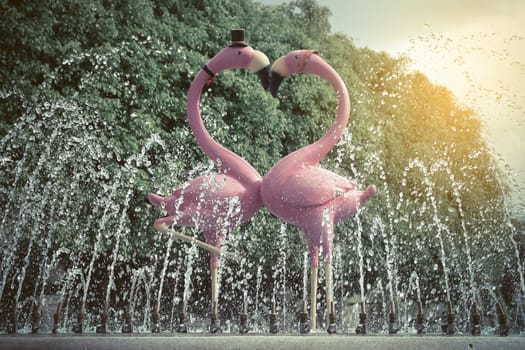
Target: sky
476	48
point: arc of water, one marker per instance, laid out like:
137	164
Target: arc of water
175	300
521	267
413	284
457	197
38	229
259	278
512	233
163	273
443	165
44	268
187	275
148	284
389	260
123	216
19	170
279	273
361	257
52	224
98	242
68	283
346	140
9	253
131	302
437	223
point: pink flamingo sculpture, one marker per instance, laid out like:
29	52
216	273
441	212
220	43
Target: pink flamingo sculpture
206	201
301	193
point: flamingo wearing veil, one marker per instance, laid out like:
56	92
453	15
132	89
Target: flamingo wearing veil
219	202
301	193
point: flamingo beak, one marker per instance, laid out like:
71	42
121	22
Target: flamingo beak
260	65
275	81
264	77
278	73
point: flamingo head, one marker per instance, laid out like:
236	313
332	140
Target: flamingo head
297	61
241	55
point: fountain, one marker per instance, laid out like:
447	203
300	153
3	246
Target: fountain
72	212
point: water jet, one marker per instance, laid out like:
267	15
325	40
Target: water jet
361	328
243	324
274	325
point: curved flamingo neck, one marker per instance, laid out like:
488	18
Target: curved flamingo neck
225	160
314	153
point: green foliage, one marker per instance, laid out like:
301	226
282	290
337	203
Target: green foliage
92	118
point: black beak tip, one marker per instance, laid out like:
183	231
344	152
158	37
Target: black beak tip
264	77
275	81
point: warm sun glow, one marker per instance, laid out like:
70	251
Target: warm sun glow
485	71
474	48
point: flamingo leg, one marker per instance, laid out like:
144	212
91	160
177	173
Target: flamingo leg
313	296
330	312
215	326
329	291
214	287
327	252
163	227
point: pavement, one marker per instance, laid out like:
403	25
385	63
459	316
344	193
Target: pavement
255	341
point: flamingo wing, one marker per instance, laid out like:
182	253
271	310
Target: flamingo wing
209	187
313	186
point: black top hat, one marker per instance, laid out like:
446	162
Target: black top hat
237	36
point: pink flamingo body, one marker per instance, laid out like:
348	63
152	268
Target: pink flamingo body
301	193
209	203
216	203
209	197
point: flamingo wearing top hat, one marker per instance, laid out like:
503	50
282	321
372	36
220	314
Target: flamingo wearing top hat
301	193
208	202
